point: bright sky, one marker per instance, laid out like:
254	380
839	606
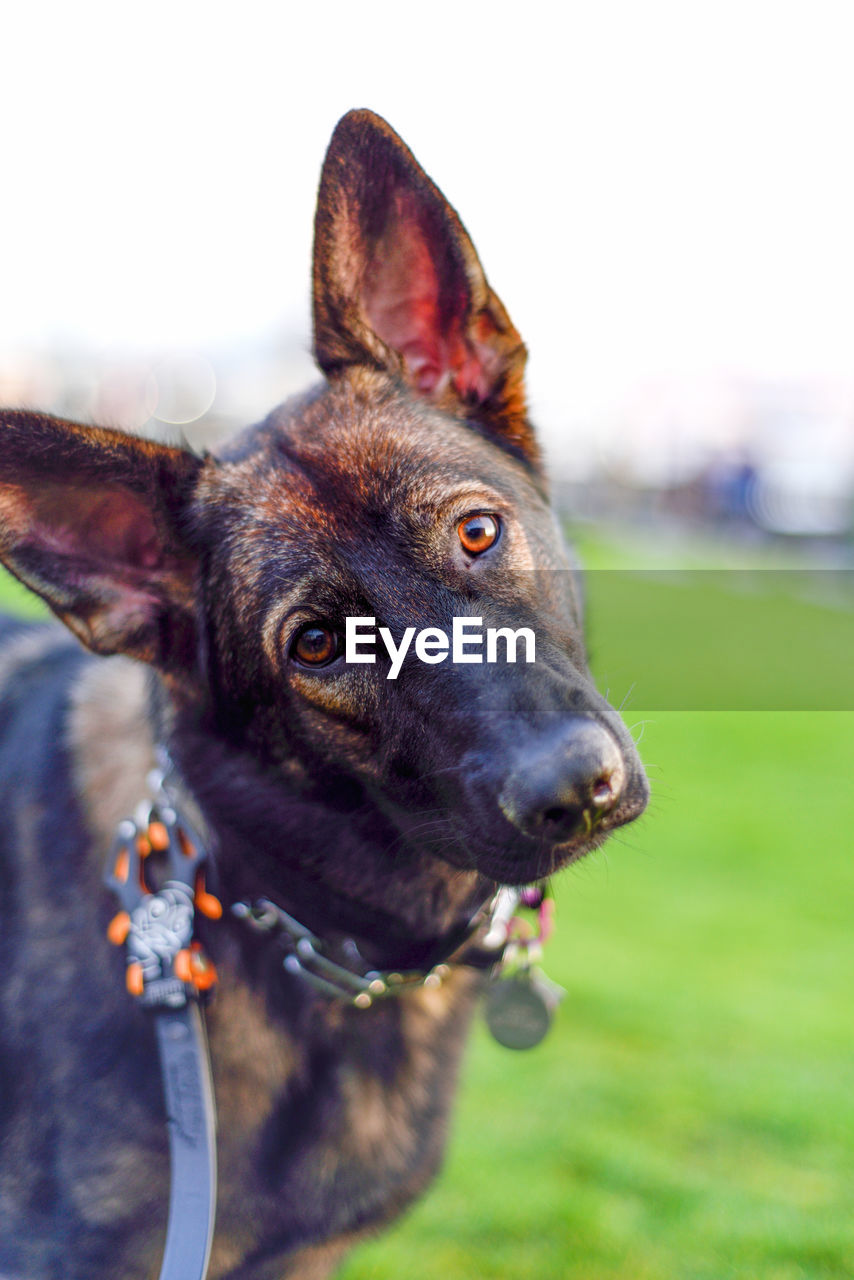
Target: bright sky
656	189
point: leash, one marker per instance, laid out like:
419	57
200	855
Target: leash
169	974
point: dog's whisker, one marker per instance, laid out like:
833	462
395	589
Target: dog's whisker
628	694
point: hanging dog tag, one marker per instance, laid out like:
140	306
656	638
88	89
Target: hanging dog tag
519	1009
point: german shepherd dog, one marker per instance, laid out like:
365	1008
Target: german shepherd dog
407	488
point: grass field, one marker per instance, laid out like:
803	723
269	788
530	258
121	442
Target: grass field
691	1115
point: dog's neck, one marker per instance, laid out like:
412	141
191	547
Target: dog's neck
329	856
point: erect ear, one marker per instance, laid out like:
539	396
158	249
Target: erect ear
91	519
398	285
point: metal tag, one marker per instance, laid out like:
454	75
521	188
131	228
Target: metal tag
519	1009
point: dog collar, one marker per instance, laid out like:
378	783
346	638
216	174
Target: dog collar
342	973
520	998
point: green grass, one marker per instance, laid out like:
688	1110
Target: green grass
15	598
690	1116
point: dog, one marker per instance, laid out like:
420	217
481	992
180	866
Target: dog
211	595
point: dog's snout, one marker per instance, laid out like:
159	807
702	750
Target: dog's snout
564	787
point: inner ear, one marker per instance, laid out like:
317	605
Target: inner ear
109	566
414	298
103	527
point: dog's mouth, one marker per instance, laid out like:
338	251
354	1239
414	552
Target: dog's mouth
499	850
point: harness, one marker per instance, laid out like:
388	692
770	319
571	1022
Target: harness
157	867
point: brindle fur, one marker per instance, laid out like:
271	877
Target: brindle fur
365	806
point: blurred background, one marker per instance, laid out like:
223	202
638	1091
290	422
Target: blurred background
661	193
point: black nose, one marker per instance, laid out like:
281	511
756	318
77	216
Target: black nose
564	785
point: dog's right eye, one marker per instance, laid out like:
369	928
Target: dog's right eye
478	533
315	646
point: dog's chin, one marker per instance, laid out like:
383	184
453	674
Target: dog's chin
515	859
512	867
508	857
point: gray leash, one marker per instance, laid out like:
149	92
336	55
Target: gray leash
168	973
191	1121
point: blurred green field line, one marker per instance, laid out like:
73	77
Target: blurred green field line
732	640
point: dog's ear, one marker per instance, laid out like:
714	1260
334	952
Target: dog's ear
398	285
91	520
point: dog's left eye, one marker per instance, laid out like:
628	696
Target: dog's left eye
315	646
478	533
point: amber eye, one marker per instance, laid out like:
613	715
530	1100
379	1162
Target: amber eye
315	646
478	533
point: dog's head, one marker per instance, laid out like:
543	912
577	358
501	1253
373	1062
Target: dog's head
406	490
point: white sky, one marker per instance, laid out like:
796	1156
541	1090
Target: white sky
657	190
